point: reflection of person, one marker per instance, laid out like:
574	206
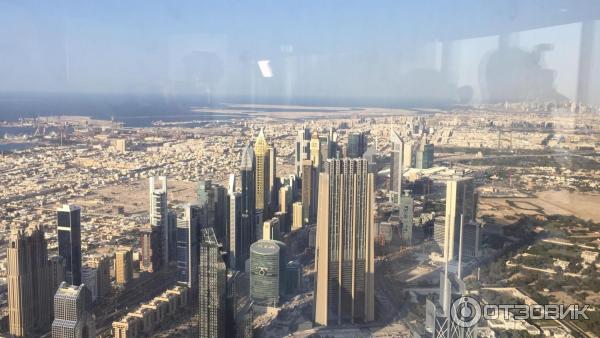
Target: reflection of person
512	74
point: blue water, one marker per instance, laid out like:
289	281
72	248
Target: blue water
16	146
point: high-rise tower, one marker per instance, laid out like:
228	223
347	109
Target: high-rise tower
30	283
73	310
396	167
460	201
69	241
247	233
302	150
234	230
188	236
344	256
159	214
213	287
262	157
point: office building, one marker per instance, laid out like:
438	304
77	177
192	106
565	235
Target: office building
57	272
206	200
396	166
234	248
151	249
248	202
102	266
69	241
123	266
424	155
262	157
267	264
271	229
89	277
298	216
171	237
285	199
315	151
406	217
344	278
357	144
30	283
73	312
409	154
213	287
159	215
273	182
285	225
302	149
221	216
188	237
309	193
460	202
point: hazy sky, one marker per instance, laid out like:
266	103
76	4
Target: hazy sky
316	48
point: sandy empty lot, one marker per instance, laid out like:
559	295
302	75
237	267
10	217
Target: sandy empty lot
583	205
134	197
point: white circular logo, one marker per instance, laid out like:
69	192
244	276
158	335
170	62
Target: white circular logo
465	311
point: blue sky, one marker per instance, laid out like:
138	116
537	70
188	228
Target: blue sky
325	48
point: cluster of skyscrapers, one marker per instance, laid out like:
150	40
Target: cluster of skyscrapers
239	229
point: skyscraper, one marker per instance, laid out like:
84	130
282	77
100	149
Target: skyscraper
159	214
409	154
309	192
267	263
57	271
30	283
302	150
206	200
357	144
272	229
151	247
298	216
396	166
315	151
123	266
344	256
220	225
188	236
69	241
248	202
73	312
273	182
424	156
235	229
89	277
460	200
213	287
261	153
102	265
406	217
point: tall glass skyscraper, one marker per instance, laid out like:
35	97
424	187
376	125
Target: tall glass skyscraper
69	241
159	214
344	256
188	236
213	287
396	167
248	203
267	264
